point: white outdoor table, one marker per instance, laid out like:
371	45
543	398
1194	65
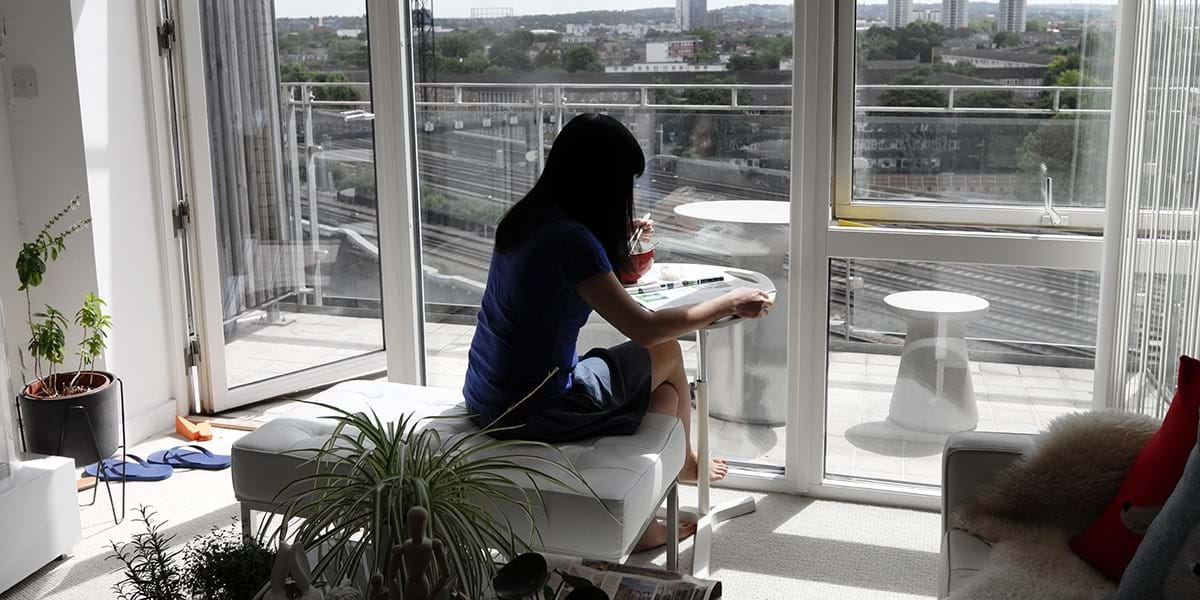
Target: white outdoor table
705	514
933	391
754	236
756	212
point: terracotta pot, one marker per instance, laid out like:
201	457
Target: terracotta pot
43	419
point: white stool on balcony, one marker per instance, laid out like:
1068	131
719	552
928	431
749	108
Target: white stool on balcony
933	390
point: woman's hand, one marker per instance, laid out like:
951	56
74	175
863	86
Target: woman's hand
647	226
749	303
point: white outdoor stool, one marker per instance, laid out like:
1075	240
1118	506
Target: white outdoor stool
933	391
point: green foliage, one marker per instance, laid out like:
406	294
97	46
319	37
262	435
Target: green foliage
48	329
707	52
987	25
95	323
462	51
913	41
1035	25
476	63
459	44
222	566
549	59
511	51
148	564
582	58
753	62
1074	149
915	98
349	53
1060	65
326	49
989	99
1006	39
45	248
299	73
768	51
372	471
48	338
468	209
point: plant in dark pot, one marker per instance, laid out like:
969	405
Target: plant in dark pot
68	413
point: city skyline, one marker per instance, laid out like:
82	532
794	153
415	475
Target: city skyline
461	9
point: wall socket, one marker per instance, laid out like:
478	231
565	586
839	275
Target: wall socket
24	82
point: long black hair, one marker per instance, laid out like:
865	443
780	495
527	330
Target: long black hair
589	177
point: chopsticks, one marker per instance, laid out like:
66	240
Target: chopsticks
637	235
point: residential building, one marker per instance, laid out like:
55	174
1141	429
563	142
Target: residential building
927	16
690	14
671	51
987	58
899	13
954	14
667	67
1011	16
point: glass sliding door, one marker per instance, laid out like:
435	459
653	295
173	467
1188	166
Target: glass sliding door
961	263
285	208
707	93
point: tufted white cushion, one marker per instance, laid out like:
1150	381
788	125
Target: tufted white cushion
630	474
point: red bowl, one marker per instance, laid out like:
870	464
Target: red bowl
639	265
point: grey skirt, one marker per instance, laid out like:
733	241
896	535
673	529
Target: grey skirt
609	395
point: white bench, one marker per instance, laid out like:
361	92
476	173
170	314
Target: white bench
632	475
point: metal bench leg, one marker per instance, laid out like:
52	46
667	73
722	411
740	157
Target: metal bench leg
673	528
246	525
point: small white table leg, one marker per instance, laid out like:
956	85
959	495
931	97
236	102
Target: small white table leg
702	433
708	515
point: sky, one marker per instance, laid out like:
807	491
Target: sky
462	8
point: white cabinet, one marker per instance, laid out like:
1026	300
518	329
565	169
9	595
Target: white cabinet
39	515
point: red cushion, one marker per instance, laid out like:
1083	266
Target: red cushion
1110	543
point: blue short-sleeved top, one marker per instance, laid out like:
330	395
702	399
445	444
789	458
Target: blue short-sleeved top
530	317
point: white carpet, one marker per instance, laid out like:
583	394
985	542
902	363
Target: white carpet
791	548
796	547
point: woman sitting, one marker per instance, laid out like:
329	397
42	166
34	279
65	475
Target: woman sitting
554	262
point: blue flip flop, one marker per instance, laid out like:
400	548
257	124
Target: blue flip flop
133	469
190	457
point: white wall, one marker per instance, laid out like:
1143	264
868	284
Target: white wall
86	133
120	172
10	300
46	146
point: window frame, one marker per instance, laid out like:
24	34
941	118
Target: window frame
915	212
402	354
822	176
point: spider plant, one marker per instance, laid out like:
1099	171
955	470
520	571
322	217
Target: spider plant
352	509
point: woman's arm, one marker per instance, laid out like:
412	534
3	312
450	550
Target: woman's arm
606	295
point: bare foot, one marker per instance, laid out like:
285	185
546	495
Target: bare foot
717	470
656	535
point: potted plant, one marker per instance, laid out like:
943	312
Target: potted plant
218	565
48	401
370	472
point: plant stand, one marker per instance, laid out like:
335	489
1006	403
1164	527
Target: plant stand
100	476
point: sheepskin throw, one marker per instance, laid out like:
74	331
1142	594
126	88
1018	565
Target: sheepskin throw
1029	512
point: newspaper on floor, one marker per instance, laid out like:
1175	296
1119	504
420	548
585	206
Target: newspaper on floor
625	582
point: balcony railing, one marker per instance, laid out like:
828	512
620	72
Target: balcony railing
558	96
466	156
